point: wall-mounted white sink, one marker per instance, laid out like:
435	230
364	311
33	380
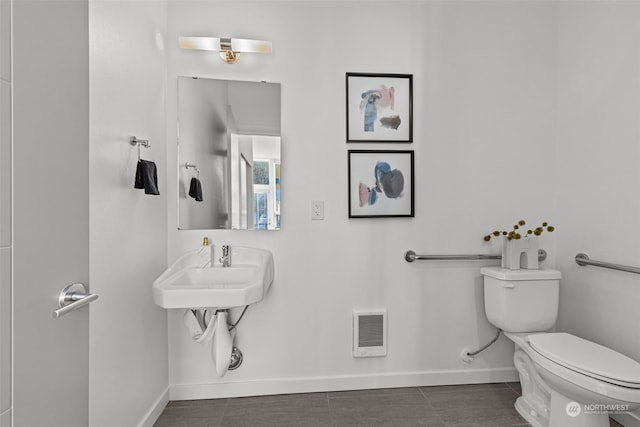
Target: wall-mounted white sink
188	283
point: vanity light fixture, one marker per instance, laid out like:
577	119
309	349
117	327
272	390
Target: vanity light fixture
229	48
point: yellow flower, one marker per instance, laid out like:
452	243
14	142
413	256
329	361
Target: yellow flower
515	235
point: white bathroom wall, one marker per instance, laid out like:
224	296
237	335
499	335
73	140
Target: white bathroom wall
484	134
128	366
597	196
6	242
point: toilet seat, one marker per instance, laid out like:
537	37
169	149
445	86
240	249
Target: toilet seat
587	358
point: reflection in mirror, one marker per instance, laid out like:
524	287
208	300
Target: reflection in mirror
229	135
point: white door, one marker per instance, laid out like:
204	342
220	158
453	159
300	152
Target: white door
51	211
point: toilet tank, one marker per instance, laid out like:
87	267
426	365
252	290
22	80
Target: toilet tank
521	300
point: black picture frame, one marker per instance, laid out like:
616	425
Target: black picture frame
381	183
379	107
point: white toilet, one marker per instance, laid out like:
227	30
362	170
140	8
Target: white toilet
566	381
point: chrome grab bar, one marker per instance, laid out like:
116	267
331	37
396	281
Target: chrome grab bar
71	298
583	259
411	256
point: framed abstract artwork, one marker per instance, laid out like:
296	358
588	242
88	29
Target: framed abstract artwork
379	107
381	183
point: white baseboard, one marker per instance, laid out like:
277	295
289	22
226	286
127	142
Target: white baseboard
155	410
628	420
337	383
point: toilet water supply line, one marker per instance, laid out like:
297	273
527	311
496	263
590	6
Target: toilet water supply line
467	356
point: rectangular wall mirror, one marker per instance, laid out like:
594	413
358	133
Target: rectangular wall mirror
229	143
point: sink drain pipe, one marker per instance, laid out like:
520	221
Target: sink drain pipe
468	356
236	354
204	317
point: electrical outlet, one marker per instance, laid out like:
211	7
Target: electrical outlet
317	209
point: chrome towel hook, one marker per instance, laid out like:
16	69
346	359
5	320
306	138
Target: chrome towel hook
135	141
189	165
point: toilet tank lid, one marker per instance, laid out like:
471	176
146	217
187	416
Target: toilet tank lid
587	357
522	274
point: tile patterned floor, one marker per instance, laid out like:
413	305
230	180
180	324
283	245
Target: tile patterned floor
477	405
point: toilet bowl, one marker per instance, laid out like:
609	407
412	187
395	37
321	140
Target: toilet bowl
563	387
566	381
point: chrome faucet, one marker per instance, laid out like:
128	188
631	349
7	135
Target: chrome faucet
225	259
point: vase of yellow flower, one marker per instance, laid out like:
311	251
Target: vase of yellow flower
518	250
520	253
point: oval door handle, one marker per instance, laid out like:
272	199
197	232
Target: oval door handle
509	286
71	298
